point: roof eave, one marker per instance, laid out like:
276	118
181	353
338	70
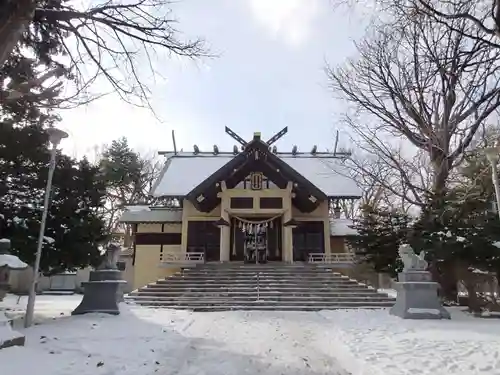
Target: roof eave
344	196
151	222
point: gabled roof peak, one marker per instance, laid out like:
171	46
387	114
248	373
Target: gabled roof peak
258	142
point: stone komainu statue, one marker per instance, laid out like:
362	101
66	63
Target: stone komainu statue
111	257
411	261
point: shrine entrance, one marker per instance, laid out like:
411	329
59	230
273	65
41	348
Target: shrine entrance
256	240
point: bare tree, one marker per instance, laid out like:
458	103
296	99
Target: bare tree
401	181
374	177
113	39
483	16
424	84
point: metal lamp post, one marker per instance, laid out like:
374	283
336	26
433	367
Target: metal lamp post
55	137
492	154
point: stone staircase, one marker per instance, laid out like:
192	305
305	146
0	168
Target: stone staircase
258	287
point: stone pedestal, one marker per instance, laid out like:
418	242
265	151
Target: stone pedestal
4	281
101	293
417	297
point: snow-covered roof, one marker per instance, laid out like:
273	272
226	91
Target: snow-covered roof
185	171
137	207
152	216
342	228
12	261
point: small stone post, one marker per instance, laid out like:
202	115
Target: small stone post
417	294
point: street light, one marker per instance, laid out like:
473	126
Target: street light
55	137
492	154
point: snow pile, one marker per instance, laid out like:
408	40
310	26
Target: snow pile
6	332
374	342
390	292
48	239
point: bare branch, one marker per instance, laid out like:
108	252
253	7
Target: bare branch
423	83
114	39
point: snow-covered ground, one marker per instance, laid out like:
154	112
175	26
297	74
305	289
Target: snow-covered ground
145	341
47	307
374	342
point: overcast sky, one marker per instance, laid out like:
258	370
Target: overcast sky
269	74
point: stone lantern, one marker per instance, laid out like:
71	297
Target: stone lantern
8	337
7	262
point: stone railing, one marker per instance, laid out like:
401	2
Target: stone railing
332	258
182	259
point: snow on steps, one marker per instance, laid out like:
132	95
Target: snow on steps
263	287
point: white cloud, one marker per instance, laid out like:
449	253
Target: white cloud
289	20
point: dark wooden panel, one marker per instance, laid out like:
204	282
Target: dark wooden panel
271	202
204	236
158	238
308	237
242	202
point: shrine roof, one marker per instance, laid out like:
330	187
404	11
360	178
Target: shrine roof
184	171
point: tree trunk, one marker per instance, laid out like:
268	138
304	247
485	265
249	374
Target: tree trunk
470	282
15	17
441	172
447	279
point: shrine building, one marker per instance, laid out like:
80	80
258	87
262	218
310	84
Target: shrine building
251	205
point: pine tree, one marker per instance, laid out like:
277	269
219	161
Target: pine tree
380	234
129	177
74	227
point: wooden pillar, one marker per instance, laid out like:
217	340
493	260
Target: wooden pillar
327	236
184	228
225	232
287	233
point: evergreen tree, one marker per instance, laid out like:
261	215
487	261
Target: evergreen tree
74	228
380	234
460	234
129	177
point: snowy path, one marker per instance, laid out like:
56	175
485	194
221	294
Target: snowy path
268	343
146	341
